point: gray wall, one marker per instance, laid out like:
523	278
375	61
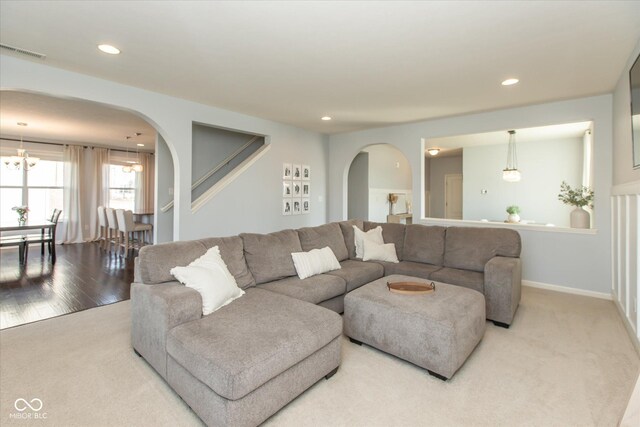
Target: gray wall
163	227
544	165
575	259
359	187
439	167
388	167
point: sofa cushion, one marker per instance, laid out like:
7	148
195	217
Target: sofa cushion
379	252
154	262
357	273
210	276
465	278
391	233
470	248
408	268
315	289
232	253
347	231
424	243
323	236
252	340
269	255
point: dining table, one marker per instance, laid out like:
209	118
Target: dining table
17	238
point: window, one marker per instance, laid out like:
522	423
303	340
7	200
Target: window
122	194
39	188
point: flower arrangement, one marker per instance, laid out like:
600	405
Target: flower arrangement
513	210
393	199
22	212
579	197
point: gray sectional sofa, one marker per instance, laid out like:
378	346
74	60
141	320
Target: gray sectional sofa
242	363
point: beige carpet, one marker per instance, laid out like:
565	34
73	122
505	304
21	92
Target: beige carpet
566	361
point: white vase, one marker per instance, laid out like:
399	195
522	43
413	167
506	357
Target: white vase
513	218
580	218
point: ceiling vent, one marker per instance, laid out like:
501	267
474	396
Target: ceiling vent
23	51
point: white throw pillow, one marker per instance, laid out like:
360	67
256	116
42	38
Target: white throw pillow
375	235
209	276
316	261
376	252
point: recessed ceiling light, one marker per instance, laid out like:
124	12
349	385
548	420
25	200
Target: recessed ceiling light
510	82
140	145
326	118
107	48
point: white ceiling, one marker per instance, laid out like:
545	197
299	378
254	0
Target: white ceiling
366	64
65	120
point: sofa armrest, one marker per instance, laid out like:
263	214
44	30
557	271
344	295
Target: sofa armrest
155	310
502	288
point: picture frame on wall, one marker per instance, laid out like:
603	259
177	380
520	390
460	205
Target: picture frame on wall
306	205
306	172
297	206
297	172
287	207
287	171
286	189
306	189
296	189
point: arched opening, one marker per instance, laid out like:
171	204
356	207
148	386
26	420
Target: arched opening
88	154
379	185
53	123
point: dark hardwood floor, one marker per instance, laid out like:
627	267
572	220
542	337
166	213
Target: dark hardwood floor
83	277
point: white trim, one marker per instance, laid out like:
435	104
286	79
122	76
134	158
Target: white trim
627	325
567	290
632	187
525	227
229	178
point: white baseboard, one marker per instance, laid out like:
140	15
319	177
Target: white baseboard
566	290
627	325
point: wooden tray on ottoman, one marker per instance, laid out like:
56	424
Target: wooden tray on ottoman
411	288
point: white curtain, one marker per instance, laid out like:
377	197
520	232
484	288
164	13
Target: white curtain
73	194
97	172
145	185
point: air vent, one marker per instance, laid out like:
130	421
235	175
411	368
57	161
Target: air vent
23	51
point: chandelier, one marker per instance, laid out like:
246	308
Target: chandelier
22	160
511	172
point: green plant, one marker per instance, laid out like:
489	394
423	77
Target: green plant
579	196
513	210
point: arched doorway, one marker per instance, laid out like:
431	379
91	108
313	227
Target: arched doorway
377	172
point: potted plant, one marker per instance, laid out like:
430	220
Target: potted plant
513	211
579	197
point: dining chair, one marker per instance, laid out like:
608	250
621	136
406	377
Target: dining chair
103	228
113	236
48	237
133	234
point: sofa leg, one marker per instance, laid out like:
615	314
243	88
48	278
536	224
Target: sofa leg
438	376
332	373
502	325
355	341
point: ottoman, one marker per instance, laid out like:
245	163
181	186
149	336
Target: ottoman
436	331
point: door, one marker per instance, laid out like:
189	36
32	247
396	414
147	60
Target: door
453	196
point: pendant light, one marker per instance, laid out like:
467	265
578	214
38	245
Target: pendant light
22	160
137	166
511	172
127	168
